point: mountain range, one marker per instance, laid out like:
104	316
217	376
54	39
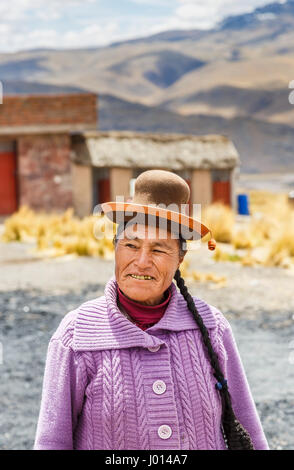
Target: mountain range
233	79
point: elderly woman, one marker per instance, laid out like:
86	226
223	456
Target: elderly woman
147	366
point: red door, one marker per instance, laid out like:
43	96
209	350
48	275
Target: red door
221	192
104	190
8	198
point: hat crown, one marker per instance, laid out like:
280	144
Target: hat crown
171	194
161	187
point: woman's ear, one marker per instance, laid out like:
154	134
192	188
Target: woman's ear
182	258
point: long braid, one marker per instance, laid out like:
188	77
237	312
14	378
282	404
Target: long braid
235	435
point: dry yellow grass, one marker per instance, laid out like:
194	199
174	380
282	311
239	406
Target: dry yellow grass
274	226
59	234
220	219
64	234
267	237
200	277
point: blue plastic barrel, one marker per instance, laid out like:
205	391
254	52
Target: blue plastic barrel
243	204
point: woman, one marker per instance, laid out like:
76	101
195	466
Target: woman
147	366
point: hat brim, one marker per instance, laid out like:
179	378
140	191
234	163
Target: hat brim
188	227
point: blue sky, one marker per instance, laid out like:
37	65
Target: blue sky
29	24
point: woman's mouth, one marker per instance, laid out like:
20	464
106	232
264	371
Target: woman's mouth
141	278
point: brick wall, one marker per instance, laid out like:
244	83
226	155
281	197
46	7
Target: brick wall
44	172
38	110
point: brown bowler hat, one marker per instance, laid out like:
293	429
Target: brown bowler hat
162	196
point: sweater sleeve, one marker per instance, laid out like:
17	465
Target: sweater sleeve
63	390
242	400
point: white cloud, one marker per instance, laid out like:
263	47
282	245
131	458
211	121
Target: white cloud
154	2
15	11
203	14
27	24
16	8
92	35
218	8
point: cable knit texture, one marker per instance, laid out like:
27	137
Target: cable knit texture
110	385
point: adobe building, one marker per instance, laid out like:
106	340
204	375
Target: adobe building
35	147
52	157
105	164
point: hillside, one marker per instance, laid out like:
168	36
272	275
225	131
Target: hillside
263	147
233	79
251	51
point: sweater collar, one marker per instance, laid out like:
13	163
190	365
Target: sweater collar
101	325
143	315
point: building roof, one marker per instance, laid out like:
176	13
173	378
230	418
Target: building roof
48	113
170	151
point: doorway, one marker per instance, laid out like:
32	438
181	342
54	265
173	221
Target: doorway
221	186
8	178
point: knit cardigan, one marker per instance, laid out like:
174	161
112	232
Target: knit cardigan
110	385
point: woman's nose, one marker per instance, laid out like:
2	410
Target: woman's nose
143	258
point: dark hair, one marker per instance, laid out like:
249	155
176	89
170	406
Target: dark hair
235	435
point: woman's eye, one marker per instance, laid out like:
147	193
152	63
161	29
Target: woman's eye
134	246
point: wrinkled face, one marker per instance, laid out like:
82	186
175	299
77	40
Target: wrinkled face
149	251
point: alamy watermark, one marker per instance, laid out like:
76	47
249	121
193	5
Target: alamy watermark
291	354
291	95
171	227
1	353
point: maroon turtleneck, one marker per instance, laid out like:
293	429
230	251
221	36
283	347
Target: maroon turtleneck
144	316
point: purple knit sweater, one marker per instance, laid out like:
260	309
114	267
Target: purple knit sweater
110	385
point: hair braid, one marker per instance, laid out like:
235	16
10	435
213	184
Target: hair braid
235	435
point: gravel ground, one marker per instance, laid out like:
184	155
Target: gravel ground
36	293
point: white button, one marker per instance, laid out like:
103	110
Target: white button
164	431
159	387
154	348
